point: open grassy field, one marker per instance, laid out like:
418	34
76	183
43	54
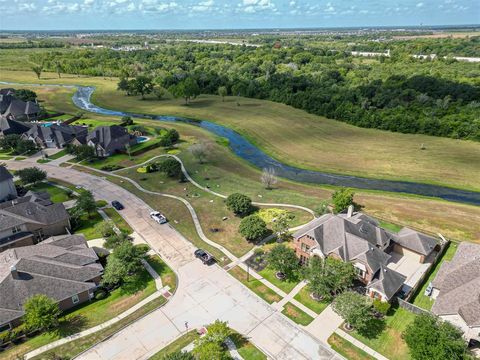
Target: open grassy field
301	139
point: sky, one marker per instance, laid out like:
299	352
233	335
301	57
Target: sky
231	14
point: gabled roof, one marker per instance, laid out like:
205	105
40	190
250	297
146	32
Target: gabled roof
5	174
387	281
19	108
10	126
58	133
109	137
458	282
59	268
418	242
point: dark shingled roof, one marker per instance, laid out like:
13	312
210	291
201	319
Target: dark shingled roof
109	137
5	174
58	134
10	126
458	282
18	108
59	267
387	281
415	241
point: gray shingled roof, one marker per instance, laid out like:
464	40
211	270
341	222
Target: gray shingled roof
19	108
59	268
109	137
5	174
59	134
458	282
387	281
418	242
10	126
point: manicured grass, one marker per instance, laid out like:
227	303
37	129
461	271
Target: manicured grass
166	274
255	285
246	349
57	195
420	299
389	342
90	314
58	154
118	220
347	349
75	347
87	226
101	203
176	345
286	285
43	161
297	315
302	139
303	296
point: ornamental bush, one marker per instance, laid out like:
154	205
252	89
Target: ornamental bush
252	227
240	204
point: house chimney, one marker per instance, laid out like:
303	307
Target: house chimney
14	272
350	211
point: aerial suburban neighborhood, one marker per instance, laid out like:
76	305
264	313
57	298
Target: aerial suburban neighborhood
251	179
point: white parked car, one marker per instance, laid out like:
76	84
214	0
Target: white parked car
158	217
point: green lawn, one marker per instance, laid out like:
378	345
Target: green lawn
296	314
420	299
90	314
303	296
347	349
87	226
176	345
389	226
389	342
246	349
167	275
75	347
57	195
285	285
58	154
118	220
256	286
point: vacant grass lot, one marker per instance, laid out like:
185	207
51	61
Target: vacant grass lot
255	285
306	140
347	349
297	315
389	342
420	299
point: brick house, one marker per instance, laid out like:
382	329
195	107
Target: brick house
359	239
63	268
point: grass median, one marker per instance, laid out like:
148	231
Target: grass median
255	285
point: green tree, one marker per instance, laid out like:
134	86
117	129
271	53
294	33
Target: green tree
59	68
142	85
283	259
328	276
160	92
281	225
25	147
126	120
105	228
210	351
342	199
240	204
31	175
86	202
171	167
41	313
9	142
37	69
200	151
430	338
187	89
217	332
113	240
252	227
124	264
25	95
222	91
354	308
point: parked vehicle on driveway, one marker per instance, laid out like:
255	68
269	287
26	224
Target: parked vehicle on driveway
158	217
117	205
204	256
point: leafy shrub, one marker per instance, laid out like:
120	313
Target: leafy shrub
240	204
252	227
381	307
142	170
101	294
111	167
171	168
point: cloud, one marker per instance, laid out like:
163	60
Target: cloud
420	5
204	6
155	6
254	6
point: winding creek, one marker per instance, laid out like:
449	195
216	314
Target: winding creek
246	150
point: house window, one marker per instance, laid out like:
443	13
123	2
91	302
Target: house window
16	229
305	247
303	260
359	272
75	299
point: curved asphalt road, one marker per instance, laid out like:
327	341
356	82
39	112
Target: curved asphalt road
204	294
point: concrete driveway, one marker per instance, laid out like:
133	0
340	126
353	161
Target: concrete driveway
205	293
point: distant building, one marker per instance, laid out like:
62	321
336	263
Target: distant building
379	257
7	186
63	268
31	219
108	140
56	135
456	290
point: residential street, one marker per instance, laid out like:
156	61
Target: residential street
205	293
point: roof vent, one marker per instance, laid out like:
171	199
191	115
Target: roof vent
363	228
